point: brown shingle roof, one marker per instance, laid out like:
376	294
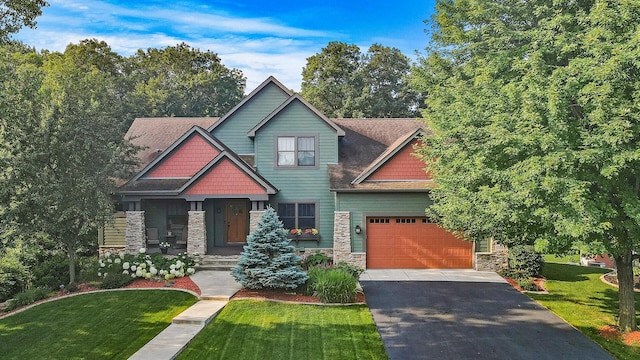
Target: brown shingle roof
365	141
156	134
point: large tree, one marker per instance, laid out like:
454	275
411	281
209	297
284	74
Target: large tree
536	124
386	92
331	81
183	81
14	14
341	81
62	147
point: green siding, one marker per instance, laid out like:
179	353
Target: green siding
301	185
482	245
372	204
233	131
361	205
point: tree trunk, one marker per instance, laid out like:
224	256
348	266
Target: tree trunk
72	265
627	309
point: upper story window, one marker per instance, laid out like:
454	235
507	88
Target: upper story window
296	151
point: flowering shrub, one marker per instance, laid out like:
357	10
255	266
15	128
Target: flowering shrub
147	266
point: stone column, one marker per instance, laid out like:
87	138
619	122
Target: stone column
135	234
254	219
196	233
496	260
341	236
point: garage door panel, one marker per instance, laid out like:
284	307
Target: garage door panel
414	243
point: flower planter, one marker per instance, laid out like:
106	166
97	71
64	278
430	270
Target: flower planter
304	237
163	250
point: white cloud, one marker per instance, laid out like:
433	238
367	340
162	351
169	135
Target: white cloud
259	47
254	57
258	66
180	18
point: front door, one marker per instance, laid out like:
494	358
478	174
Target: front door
236	222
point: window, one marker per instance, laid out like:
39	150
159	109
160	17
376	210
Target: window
296	151
297	215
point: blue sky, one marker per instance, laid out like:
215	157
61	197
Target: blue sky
261	38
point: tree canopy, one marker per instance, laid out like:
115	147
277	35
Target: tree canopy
62	147
535	124
342	82
182	81
62	121
14	14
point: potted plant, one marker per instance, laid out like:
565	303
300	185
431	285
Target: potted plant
164	246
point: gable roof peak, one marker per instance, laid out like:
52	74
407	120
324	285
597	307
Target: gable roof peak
165	153
292	98
388	154
270	80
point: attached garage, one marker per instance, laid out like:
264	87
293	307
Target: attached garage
414	243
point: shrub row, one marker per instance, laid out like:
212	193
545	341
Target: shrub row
28	297
143	265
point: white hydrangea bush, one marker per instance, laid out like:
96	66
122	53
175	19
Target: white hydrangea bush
146	266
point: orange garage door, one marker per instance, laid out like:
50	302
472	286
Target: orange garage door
414	243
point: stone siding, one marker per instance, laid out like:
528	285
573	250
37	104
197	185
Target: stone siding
342	241
197	233
112	249
496	260
357	259
311	251
135	234
254	219
341	235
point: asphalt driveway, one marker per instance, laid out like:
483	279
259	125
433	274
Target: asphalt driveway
432	314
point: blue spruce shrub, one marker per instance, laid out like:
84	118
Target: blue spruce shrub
268	260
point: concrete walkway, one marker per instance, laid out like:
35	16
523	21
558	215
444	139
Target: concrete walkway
216	288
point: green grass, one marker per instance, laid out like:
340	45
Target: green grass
579	297
103	325
248	329
573	258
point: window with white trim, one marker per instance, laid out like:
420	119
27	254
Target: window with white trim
297	215
296	151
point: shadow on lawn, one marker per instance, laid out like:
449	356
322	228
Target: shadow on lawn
284	331
570	273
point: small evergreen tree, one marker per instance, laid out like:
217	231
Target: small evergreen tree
268	260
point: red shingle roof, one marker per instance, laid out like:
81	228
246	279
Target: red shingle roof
365	142
157	134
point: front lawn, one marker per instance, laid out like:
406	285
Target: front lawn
579	297
247	329
102	325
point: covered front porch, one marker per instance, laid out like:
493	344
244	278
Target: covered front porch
211	226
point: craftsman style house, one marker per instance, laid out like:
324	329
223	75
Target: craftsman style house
347	187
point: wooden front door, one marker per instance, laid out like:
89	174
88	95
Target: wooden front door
236	222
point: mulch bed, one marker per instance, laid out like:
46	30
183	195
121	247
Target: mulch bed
613	333
613	279
178	283
285	295
539	281
187	284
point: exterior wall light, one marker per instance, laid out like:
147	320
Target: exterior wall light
358	229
